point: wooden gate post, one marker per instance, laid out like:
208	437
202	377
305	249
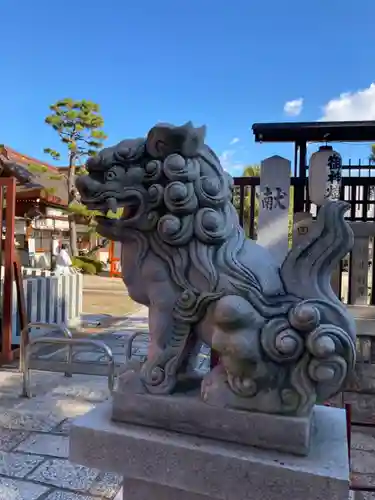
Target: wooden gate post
9	258
114	260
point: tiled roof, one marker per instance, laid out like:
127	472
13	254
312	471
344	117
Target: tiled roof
49	185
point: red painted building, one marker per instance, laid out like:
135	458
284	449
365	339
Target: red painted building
41	200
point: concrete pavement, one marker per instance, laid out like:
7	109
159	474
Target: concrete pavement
34	442
34	433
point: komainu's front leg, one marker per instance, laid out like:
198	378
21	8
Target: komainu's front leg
155	374
165	353
167	335
160	322
162	296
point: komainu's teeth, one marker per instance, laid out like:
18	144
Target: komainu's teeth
115	215
112	205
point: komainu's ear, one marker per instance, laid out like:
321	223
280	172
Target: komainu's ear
124	153
102	161
165	139
92	164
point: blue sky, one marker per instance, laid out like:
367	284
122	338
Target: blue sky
223	64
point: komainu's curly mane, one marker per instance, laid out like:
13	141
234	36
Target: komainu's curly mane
188	218
196	224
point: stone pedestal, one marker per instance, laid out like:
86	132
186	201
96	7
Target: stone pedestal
186	413
166	465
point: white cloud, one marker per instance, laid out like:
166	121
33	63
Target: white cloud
235	140
359	105
236	170
226	158
229	164
293	108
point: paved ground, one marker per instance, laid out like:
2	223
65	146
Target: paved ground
363	461
103	283
34	433
34	442
103	295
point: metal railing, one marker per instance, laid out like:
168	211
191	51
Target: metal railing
70	342
26	351
129	345
61	328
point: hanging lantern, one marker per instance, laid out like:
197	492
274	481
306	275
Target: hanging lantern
325	173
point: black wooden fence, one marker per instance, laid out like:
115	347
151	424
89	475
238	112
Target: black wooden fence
358	191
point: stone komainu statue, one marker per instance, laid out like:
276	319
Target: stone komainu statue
285	340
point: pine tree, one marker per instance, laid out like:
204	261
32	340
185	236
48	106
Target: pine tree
79	125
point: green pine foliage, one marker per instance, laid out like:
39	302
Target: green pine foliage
79	125
37	169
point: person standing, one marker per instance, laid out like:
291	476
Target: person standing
63	260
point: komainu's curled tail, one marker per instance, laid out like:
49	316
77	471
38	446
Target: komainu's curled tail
327	326
307	269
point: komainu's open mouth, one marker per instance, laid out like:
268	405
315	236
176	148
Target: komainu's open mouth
128	206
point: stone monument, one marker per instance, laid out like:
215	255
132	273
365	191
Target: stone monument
252	428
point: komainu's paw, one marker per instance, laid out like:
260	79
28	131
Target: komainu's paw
214	388
130	379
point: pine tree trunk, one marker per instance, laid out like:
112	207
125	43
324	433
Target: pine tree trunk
72	197
99	246
73	235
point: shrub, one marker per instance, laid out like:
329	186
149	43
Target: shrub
96	263
76	262
86	267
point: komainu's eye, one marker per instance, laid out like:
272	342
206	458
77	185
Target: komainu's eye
110	176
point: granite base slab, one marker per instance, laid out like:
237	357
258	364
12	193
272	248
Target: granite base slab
133	489
164	463
188	414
